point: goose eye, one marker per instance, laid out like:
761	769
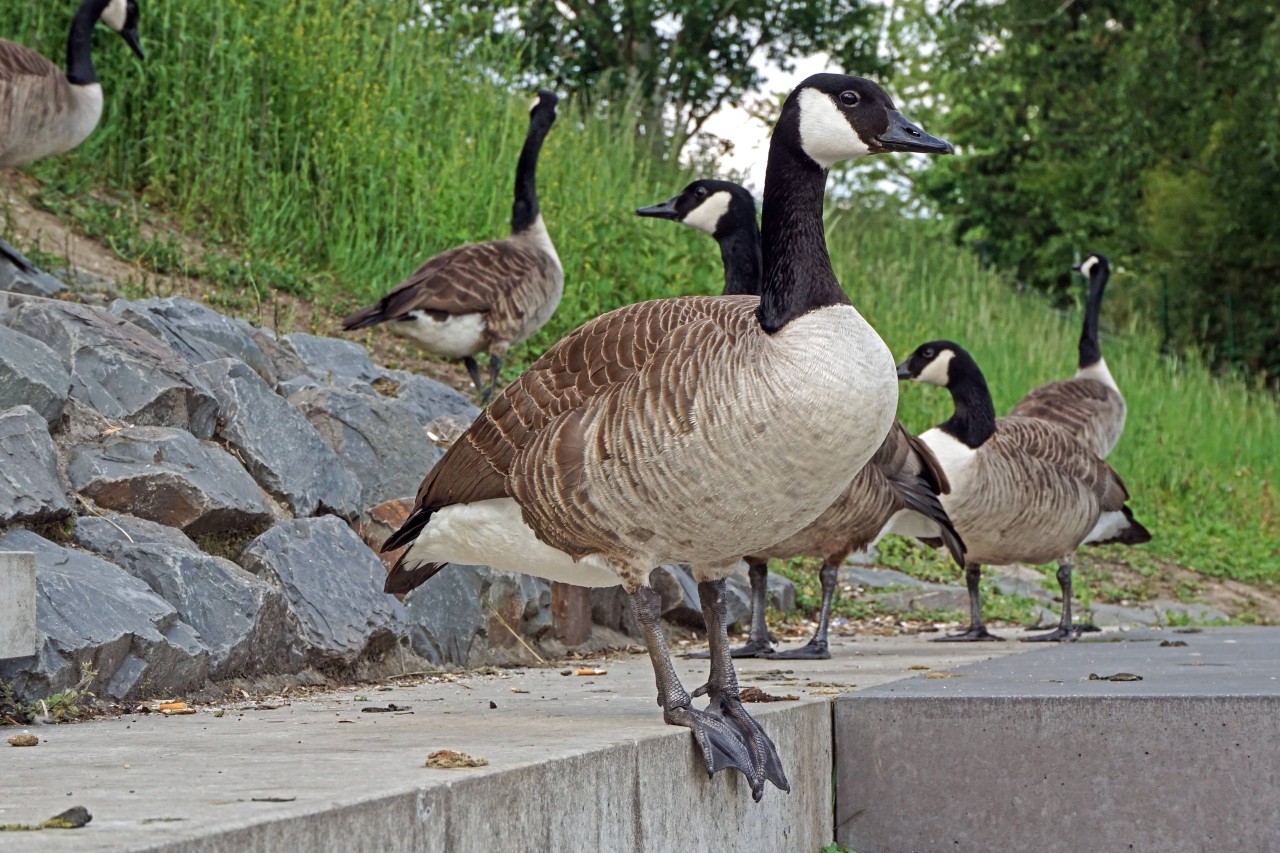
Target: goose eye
928	353
849	99
700	193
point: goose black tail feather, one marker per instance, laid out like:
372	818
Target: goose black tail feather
1134	534
365	317
405	576
920	496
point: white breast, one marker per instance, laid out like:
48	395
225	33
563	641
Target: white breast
457	335
953	455
1099	373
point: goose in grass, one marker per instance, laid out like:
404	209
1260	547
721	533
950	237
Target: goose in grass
483	297
44	111
686	430
1023	490
898	487
1089	404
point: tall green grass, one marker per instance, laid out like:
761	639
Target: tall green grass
337	145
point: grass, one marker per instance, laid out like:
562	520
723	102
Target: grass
324	150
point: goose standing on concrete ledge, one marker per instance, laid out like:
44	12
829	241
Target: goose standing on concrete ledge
900	485
686	430
1023	490
43	111
1089	405
483	297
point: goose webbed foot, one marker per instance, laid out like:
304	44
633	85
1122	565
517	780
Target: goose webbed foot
1061	634
815	649
766	766
974	634
719	741
752	649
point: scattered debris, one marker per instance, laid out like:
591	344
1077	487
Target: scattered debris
755	694
590	671
272	799
1187	630
171	706
219	713
147	820
1119	676
943	675
518	690
1166	644
918	666
451	759
566	672
24	739
73	818
493	706
378	709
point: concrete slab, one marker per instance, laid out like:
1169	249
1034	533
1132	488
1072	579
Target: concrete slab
1027	753
575	763
18	638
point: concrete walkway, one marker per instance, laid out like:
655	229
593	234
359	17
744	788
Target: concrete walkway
575	763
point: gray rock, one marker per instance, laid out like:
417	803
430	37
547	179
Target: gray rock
240	619
90	288
285	364
876	578
117	368
1175	612
1148	614
334	360
781	593
610	609
278	446
378	440
925	597
30	490
196	332
426	398
29	282
332	584
32	374
1020	580
168	476
681	605
95	617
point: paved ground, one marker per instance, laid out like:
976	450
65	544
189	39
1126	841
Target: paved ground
151	781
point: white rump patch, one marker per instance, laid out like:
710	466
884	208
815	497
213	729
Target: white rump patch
938	371
457	336
114	15
1108	527
493	533
1098	373
825	133
908	522
1088	265
706	216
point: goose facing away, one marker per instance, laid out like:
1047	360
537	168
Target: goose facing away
1089	404
611	454
44	111
1022	489
483	297
900	485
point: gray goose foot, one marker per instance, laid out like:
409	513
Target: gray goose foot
752	649
974	634
766	766
1057	635
718	740
813	650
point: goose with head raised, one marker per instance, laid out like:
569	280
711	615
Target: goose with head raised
1023	490
689	429
898	487
483	297
45	111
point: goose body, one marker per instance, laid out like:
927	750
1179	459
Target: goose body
1023	490
1089	405
896	491
686	429
483	297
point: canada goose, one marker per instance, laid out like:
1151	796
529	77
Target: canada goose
483	297
689	429
43	111
1022	489
1089	404
902	479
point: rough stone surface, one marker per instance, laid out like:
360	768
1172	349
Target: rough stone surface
285	363
32	374
240	619
876	578
334	360
278	446
34	282
1150	614
679	603
93	616
166	475
926	597
378	440
116	367
427	399
332	584
18	635
197	332
379	522
30	489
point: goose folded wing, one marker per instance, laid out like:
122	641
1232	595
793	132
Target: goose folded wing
17	61
1054	444
465	280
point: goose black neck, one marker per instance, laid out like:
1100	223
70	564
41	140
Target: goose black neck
80	71
1090	352
524	210
797	269
740	251
974	420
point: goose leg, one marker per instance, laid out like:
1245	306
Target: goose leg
758	640
1063	631
817	648
720	742
976	630
474	370
722	691
495	365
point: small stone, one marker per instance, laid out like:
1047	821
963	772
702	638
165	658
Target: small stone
24	740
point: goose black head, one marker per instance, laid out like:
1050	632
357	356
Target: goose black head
931	363
837	117
122	16
1093	265
711	206
543	109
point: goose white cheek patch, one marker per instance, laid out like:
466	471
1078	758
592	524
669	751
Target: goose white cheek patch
535	103
938	371
113	16
706	216
1088	265
825	134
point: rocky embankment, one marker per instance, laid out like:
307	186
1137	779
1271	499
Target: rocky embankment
205	501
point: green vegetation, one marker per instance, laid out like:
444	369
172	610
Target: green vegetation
324	150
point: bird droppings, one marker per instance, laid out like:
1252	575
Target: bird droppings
73	818
755	694
24	739
1166	644
451	759
943	675
918	667
1119	676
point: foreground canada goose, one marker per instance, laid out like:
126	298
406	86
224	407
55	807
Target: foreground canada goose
1023	490
483	297
1089	404
899	485
43	111
686	430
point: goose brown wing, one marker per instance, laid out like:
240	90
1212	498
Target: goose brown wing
1054	444
1088	409
18	61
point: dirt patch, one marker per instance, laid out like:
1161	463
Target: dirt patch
1115	582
